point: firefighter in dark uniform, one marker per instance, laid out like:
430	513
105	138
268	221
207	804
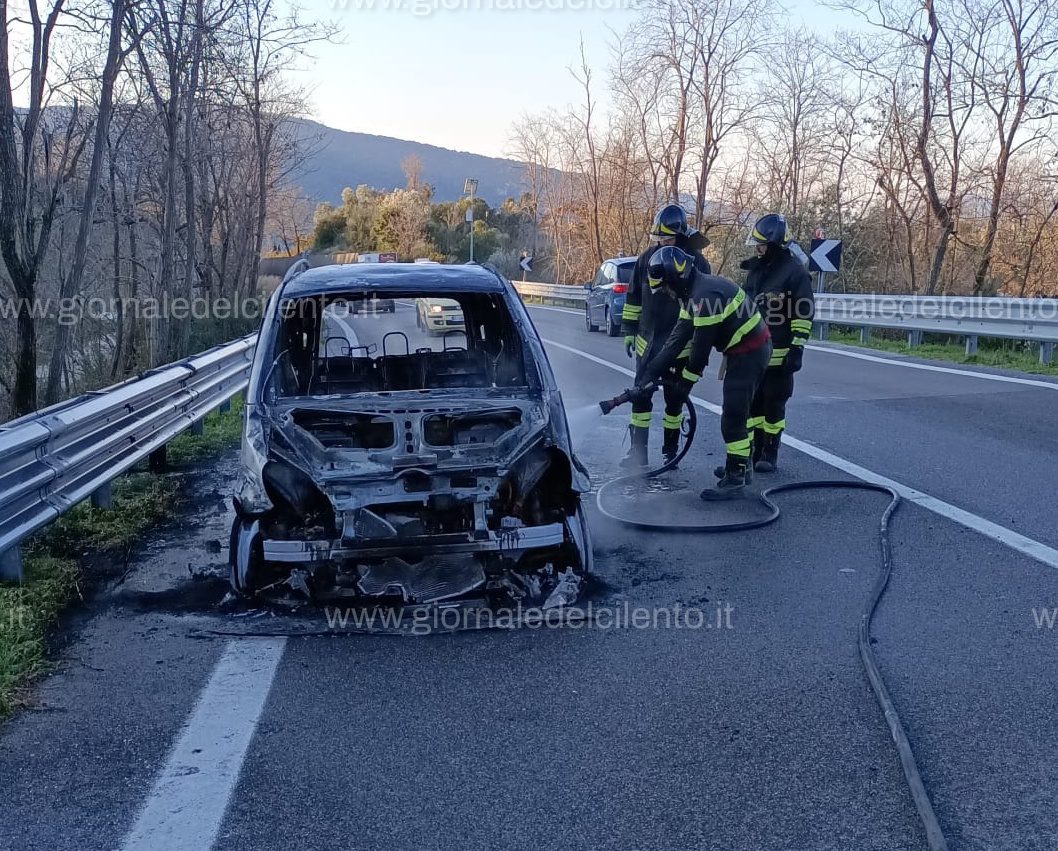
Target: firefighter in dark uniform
647	323
780	286
715	313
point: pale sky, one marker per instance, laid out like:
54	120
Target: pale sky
460	79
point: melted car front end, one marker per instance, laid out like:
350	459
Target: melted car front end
386	466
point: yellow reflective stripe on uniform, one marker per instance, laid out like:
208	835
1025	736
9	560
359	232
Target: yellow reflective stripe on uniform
631	311
672	420
774	428
686	353
641	345
734	304
729	310
684	314
744	329
641	419
757	235
754	423
740	447
777	358
801	325
655	282
690	376
799	342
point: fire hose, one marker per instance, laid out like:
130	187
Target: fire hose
934	835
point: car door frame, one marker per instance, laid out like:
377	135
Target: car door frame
600	290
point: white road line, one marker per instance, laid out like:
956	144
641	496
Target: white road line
966	373
1041	552
556	309
186	805
350	332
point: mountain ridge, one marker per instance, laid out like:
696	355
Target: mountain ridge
340	158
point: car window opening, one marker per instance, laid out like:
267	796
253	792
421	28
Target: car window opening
354	342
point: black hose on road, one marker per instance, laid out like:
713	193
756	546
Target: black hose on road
934	834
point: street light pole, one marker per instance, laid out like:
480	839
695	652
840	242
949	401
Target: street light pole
470	186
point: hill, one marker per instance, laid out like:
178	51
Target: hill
339	158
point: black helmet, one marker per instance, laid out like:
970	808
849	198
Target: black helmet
770	230
671	267
670	221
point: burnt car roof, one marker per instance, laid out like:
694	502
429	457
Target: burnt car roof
395	276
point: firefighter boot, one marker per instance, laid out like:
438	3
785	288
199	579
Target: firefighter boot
721	471
670	447
736	476
769	456
760	438
637	452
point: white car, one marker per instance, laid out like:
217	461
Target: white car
439	315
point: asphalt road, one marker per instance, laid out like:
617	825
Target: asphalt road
756	730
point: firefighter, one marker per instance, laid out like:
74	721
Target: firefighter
715	313
647	322
780	287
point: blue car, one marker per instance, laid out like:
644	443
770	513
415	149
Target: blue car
605	298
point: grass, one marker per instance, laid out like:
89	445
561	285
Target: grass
219	431
140	500
1002	354
27	613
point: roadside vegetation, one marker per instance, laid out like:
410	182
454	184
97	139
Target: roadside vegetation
1001	354
55	556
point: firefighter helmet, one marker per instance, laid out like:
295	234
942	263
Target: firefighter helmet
770	230
670	222
670	267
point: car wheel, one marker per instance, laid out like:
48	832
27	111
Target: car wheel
612	330
245	556
587	321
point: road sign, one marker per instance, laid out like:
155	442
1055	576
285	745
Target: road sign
819	233
387	257
526	263
825	255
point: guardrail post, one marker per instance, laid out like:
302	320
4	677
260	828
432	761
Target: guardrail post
157	461
1046	352
971	345
11	564
225	406
865	335
103	498
914	338
197	428
822	330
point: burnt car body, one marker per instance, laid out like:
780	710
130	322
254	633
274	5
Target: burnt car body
380	463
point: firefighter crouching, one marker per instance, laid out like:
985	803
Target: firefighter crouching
782	290
647	323
715	313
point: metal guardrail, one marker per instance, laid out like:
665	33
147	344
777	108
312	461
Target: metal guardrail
559	294
59	456
1032	319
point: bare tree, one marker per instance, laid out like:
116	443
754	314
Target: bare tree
39	152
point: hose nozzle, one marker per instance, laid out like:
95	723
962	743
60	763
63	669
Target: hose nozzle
608	405
627	396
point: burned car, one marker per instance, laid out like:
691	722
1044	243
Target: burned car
382	462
